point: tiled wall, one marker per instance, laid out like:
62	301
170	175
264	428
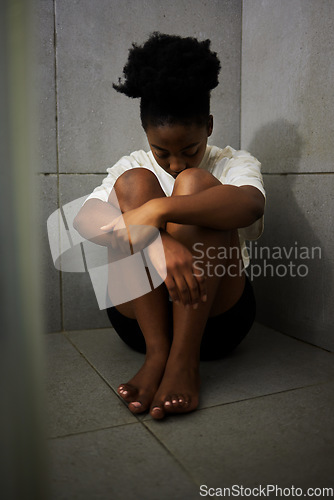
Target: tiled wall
85	126
287	122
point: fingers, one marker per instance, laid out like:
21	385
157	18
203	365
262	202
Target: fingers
120	242
183	290
187	288
172	289
111	225
201	281
119	235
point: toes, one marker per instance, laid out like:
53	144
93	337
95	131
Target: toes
168	403
176	403
181	400
139	405
127	392
157	411
136	407
172	403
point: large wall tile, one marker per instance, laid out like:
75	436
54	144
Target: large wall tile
287	84
45	85
287	122
96	124
50	278
297	294
80	307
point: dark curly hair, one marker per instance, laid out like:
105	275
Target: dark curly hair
173	77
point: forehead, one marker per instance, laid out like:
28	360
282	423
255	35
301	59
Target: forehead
175	135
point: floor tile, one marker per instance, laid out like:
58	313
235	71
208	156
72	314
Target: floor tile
78	399
108	354
284	439
266	362
119	463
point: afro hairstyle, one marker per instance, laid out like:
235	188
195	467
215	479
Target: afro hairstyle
173	76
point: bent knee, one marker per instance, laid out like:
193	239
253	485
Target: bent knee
135	177
194	180
136	186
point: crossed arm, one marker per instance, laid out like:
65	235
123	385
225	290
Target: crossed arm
223	207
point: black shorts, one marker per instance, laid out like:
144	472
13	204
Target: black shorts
222	333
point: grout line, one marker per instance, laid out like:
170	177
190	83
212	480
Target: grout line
100	374
138	417
170	453
57	150
240	74
145	423
258	322
300	340
66	332
72	173
91	431
296	173
45	174
290	336
251	398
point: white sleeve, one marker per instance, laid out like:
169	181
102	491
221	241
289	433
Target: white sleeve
244	170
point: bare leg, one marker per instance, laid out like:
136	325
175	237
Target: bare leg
134	188
179	389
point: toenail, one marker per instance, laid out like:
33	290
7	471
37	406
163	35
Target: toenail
155	408
168	403
136	404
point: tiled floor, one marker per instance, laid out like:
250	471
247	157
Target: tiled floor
265	418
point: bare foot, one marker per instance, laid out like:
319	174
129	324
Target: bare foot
179	388
140	390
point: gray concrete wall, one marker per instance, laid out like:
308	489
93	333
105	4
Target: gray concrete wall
287	122
85	126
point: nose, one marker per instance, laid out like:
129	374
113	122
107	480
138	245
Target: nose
176	165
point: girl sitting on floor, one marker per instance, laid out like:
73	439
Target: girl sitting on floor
203	200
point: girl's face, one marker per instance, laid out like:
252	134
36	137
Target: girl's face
177	147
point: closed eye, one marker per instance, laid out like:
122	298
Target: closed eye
189	155
162	156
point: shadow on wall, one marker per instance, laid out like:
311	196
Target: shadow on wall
292	276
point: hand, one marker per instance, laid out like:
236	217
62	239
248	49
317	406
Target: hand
135	228
184	283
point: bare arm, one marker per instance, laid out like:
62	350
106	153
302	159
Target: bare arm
220	207
92	215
